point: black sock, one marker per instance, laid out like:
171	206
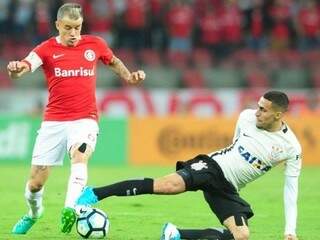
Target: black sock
125	188
209	234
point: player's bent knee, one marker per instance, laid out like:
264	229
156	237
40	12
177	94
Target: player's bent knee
170	184
80	153
238	225
241	234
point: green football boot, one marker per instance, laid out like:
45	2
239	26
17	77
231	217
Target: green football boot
68	218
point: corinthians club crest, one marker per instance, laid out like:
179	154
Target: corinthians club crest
89	55
199	165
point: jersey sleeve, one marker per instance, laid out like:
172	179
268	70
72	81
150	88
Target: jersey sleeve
34	58
243	116
290	195
236	130
293	164
106	53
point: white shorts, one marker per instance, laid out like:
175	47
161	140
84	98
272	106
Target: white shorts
55	138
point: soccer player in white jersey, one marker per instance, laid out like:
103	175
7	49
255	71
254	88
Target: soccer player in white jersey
69	62
261	141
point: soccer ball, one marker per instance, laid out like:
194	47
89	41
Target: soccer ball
92	223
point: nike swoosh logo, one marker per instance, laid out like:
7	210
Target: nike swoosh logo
246	135
82	211
57	56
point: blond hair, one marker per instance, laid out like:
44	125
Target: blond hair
72	10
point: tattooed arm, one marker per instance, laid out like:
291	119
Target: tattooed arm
130	77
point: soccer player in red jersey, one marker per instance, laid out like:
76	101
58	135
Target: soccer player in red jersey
69	62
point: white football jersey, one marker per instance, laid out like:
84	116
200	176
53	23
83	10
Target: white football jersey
255	151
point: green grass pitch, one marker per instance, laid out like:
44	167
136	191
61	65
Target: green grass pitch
142	217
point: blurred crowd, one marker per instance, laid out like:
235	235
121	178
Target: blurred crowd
183	43
253	42
221	26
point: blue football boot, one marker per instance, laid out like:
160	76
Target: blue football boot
170	232
87	197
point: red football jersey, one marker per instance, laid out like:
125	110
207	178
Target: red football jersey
71	76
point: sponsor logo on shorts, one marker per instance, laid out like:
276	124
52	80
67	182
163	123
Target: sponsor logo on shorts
91	137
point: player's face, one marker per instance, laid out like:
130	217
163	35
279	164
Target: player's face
69	30
266	115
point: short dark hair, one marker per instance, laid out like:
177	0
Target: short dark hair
280	99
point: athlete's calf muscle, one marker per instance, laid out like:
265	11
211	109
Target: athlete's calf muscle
170	184
238	227
38	177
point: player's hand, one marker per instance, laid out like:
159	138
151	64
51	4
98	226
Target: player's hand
290	237
16	66
137	77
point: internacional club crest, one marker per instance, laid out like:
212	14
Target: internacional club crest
89	55
199	165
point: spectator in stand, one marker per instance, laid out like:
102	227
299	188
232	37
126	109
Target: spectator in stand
232	26
135	23
257	39
4	20
200	6
210	25
22	18
180	24
157	37
308	25
100	14
42	21
280	32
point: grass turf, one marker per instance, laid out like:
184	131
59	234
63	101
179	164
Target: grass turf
142	217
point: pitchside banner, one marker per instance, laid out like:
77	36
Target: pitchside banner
163	141
18	133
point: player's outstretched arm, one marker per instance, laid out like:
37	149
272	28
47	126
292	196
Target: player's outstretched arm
130	77
290	206
17	68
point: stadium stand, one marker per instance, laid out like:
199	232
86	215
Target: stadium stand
219	77
150	57
201	58
34	80
256	78
192	78
290	78
106	78
162	77
315	78
288	66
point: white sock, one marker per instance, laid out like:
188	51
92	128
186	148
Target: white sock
34	201
77	181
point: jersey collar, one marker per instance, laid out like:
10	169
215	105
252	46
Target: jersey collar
58	39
